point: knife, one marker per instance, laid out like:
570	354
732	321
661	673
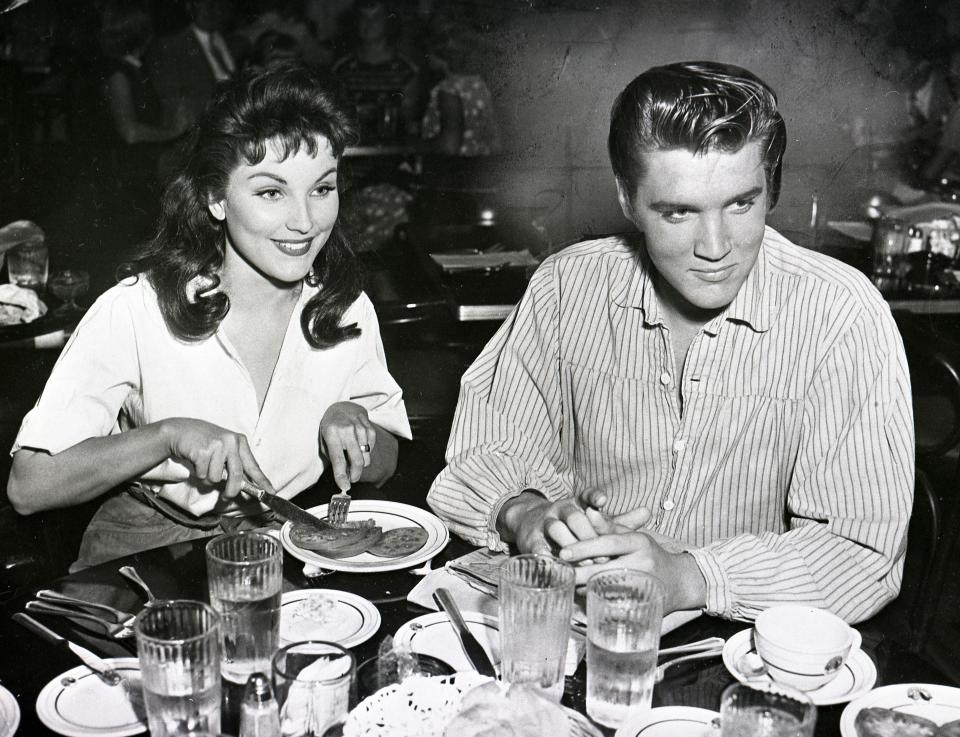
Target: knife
471	646
284	508
103	670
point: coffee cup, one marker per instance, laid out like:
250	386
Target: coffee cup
803	646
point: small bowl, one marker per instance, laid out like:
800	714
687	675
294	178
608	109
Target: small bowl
370	680
803	647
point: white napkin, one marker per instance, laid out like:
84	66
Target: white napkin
19	305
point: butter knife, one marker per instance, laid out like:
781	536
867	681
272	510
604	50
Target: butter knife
284	508
103	670
471	646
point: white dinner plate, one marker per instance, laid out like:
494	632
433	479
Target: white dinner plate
855	678
433	634
77	703
943	704
672	721
9	713
326	614
388	515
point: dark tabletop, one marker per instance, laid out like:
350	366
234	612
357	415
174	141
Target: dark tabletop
179	571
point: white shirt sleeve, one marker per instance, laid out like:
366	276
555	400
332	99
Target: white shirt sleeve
371	385
95	374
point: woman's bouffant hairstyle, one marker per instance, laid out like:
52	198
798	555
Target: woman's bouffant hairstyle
699	106
288	105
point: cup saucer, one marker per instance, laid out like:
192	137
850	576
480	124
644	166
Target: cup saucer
855	678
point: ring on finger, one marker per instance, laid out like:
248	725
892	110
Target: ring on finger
365	448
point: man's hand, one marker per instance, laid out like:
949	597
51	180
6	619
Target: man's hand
215	454
347	437
684	585
534	524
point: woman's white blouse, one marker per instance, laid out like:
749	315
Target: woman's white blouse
122	369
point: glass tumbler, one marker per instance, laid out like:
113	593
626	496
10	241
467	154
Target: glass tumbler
314	683
178	643
28	264
624	617
245	578
536	601
766	710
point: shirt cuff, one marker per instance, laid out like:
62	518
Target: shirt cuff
719	596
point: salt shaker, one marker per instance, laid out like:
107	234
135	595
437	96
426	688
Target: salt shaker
259	713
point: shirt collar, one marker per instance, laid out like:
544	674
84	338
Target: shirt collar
755	305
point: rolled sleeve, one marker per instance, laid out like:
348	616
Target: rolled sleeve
371	385
93	377
506	434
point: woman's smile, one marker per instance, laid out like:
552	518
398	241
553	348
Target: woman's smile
294	248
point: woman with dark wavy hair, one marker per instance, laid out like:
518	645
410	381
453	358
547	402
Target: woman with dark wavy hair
238	345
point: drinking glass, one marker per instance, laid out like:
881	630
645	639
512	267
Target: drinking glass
536	601
178	643
313	682
245	576
28	264
766	710
68	285
624	616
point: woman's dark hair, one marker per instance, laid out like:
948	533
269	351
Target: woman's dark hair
287	104
698	106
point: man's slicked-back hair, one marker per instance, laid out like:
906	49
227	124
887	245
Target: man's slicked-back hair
698	106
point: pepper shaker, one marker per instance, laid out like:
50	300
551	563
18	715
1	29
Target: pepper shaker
259	713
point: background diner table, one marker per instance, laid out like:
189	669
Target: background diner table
179	571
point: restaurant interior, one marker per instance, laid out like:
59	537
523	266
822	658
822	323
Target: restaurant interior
448	237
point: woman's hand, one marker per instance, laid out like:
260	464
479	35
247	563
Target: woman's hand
215	454
347	438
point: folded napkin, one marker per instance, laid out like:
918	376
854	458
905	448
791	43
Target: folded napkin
19	305
472	580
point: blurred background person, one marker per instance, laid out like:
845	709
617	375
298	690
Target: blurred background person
459	119
186	65
133	117
379	79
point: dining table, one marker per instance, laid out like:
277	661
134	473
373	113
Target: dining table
178	571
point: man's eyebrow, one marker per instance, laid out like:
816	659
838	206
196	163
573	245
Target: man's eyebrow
750	194
667	206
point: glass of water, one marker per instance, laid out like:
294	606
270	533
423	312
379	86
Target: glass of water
245	578
28	264
766	710
178	643
536	601
314	683
624	616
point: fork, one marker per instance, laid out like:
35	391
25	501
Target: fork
130	573
112	629
338	508
121	617
662	668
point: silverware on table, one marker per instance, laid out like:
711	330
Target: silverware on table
102	669
471	646
663	667
284	508
111	629
120	617
130	573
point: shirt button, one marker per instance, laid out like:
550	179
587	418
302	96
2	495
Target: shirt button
679	444
665	378
668	504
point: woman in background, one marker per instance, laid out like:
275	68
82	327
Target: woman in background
240	346
132	117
